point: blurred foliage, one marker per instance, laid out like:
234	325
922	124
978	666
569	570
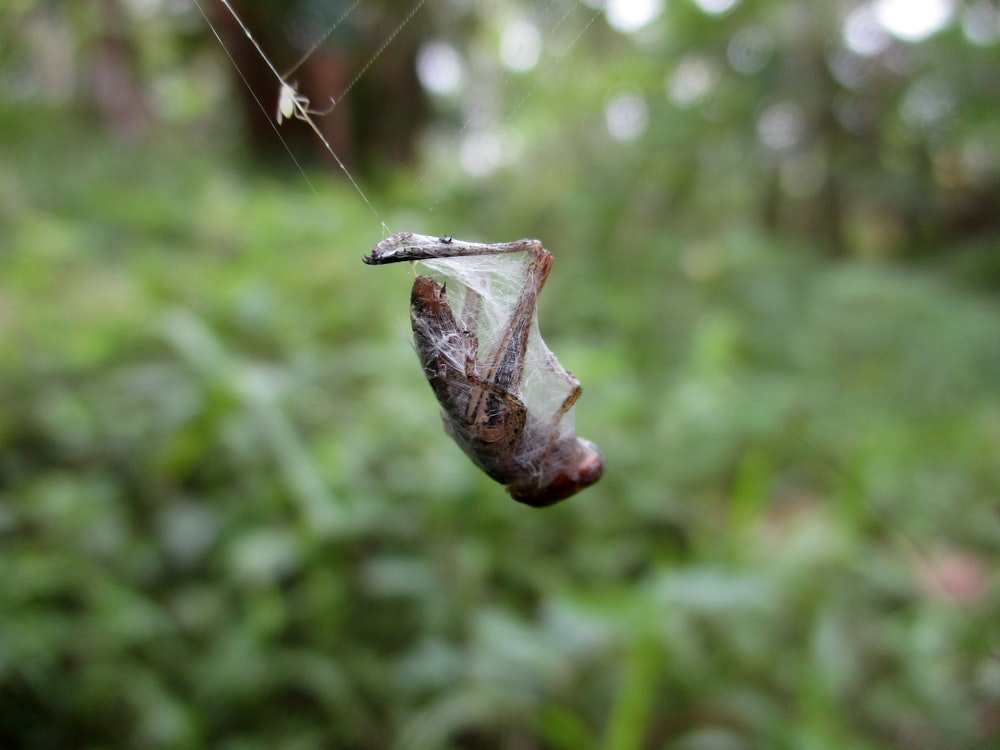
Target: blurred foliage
229	517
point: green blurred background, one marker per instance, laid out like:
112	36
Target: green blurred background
229	516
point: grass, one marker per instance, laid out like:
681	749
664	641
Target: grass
229	516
